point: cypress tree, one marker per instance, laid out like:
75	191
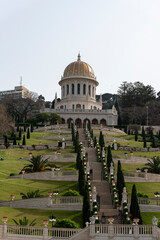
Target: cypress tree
134	207
129	132
20	133
6	143
109	157
101	140
159	135
153	142
76	142
151	134
136	135
31	127
81	178
28	133
89	125
144	142
17	127
86	205
24	140
14	140
78	158
120	181
95	141
24	127
143	133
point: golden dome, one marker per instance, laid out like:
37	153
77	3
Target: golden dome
78	68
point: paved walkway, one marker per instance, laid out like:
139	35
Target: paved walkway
102	186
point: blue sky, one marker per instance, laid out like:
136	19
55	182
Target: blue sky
120	39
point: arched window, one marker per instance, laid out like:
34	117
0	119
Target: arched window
67	89
72	88
63	91
84	89
78	88
83	106
89	89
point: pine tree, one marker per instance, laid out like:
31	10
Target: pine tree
86	205
24	140
134	207
28	133
14	140
109	157
120	181
136	135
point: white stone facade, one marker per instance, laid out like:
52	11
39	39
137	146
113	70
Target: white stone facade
78	97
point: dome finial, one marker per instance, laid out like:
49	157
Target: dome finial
79	57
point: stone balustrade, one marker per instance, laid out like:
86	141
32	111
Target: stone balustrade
96	231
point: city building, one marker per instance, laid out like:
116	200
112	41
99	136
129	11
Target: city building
78	97
18	92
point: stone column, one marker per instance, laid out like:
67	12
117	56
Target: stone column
115	145
154	227
111	169
94	195
124	196
110	231
45	233
136	231
92	226
4	230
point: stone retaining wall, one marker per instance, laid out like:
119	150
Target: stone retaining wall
126	148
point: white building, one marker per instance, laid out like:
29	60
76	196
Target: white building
78	97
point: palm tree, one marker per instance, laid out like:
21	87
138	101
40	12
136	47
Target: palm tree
154	165
31	194
24	222
36	164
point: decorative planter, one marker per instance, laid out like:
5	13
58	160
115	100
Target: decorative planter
50	193
110	220
5	219
12	197
45	222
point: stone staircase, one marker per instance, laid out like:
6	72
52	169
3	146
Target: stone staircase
102	186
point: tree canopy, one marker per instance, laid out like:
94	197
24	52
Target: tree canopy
135	94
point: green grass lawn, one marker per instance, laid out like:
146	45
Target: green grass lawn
16	186
147	217
120	154
144	187
39	214
130	167
11	164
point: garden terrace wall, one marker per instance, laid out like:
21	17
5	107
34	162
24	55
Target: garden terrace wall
58	176
70	203
125	148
